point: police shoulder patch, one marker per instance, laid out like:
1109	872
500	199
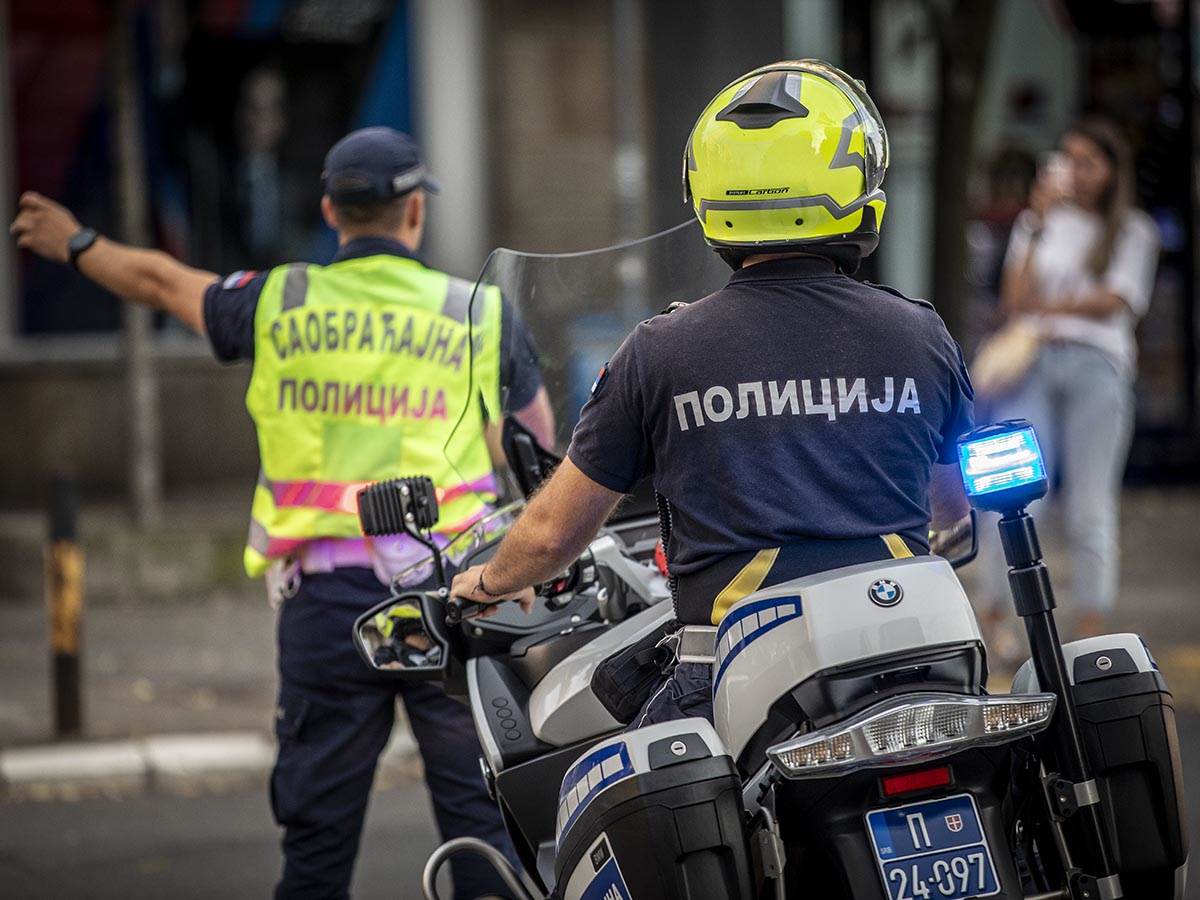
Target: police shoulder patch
601	377
238	279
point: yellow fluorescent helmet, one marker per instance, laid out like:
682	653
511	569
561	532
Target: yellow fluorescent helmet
792	154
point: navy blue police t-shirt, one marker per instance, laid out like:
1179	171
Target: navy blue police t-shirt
230	305
794	405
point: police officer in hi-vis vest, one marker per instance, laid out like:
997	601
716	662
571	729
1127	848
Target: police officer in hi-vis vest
359	374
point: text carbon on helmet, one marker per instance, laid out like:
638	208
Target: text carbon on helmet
793	153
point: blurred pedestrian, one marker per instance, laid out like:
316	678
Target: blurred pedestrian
1078	274
258	174
1008	177
325	342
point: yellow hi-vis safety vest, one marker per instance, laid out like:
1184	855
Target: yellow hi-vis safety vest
363	370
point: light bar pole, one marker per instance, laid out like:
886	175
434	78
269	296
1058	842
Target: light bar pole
1003	472
1033	597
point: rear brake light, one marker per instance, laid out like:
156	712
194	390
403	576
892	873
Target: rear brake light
912	728
915	781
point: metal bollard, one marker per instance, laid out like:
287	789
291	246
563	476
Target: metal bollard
64	608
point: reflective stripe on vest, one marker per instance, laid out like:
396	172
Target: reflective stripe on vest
265	545
364	370
343	496
269	547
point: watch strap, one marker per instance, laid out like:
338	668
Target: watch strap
80	242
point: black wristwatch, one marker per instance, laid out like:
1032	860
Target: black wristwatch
80	242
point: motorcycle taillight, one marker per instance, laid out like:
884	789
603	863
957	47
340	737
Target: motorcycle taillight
910	782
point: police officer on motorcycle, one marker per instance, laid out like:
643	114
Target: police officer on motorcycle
796	420
359	374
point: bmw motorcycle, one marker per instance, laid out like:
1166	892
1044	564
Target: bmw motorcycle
856	750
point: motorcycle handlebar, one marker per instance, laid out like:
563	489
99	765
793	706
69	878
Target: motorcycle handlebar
458	609
580	575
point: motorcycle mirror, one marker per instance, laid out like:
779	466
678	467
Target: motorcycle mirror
967	537
396	638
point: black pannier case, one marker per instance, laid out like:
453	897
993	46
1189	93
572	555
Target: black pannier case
675	827
1127	716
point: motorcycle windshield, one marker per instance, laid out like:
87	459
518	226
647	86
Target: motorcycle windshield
491	527
562	316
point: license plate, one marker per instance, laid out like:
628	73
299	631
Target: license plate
934	850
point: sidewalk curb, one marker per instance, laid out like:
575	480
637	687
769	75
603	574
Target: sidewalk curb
146	762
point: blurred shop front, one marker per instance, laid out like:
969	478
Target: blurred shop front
553	126
239	101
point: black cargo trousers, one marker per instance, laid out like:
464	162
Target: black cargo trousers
333	719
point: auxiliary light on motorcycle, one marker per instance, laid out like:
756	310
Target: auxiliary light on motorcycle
1002	466
910	728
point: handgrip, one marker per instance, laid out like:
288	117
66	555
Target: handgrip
394	506
458	609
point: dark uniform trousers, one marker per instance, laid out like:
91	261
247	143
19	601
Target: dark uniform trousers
334	718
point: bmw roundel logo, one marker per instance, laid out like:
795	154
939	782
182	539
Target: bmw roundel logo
885	592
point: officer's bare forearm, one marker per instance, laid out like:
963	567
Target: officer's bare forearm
1019	288
559	523
45	227
947	499
538	417
150	278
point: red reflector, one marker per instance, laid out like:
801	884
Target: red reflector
915	781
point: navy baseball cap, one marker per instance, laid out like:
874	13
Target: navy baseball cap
374	164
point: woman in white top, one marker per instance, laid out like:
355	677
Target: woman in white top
1080	270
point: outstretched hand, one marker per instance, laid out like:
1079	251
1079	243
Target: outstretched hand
43	226
466	587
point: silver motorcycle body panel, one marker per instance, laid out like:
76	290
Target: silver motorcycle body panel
562	708
487	742
777	638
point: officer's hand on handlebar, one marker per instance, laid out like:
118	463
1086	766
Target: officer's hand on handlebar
469	585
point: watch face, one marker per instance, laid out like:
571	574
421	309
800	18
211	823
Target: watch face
79	242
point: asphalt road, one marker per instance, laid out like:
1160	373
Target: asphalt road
208	666
179	848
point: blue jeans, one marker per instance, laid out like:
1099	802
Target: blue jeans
1081	404
334	718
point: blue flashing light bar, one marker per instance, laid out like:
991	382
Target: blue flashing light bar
1002	466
